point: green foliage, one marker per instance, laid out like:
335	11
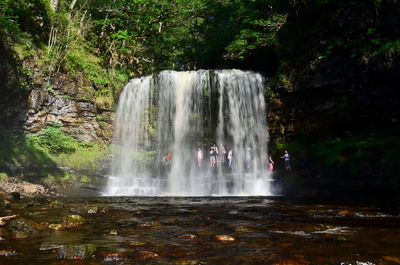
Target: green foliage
357	148
67	151
353	152
80	60
55	140
86	156
17	150
24	48
3	176
20	156
49	180
46	156
7	20
144	156
74	218
259	26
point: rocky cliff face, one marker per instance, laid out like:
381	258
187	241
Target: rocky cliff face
31	100
338	95
79	117
341	72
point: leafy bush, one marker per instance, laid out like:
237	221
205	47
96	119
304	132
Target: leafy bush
3	176
55	140
19	150
86	156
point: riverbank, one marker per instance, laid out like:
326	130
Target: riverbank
16	189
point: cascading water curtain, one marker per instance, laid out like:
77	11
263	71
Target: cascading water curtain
177	113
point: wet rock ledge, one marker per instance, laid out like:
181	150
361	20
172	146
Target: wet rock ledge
11	189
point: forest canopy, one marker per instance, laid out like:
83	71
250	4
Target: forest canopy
110	41
147	35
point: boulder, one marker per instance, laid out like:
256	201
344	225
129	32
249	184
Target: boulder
22	228
76	252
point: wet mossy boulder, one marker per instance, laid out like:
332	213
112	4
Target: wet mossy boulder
74	218
22	228
76	252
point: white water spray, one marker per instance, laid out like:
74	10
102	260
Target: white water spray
178	112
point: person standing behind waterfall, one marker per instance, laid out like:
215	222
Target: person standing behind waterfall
199	157
248	157
286	157
213	155
230	156
270	163
166	160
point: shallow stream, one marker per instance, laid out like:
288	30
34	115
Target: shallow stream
198	230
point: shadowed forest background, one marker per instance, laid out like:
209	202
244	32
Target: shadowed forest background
332	68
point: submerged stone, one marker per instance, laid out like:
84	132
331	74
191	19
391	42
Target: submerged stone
50	245
56	204
147	255
111	257
4	219
187	236
7	253
242	229
341	238
74	218
56	227
224	238
137	243
22	228
151	224
76	252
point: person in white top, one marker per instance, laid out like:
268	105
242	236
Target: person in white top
199	157
230	156
286	157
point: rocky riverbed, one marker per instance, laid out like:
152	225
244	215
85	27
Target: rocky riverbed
199	230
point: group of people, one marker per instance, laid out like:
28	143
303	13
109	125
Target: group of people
219	154
286	158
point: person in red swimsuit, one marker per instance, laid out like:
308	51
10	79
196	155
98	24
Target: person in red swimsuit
166	160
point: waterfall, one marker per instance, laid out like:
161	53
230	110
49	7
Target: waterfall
179	112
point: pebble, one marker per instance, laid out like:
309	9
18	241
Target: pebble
110	257
187	236
56	227
224	238
7	253
147	255
137	243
